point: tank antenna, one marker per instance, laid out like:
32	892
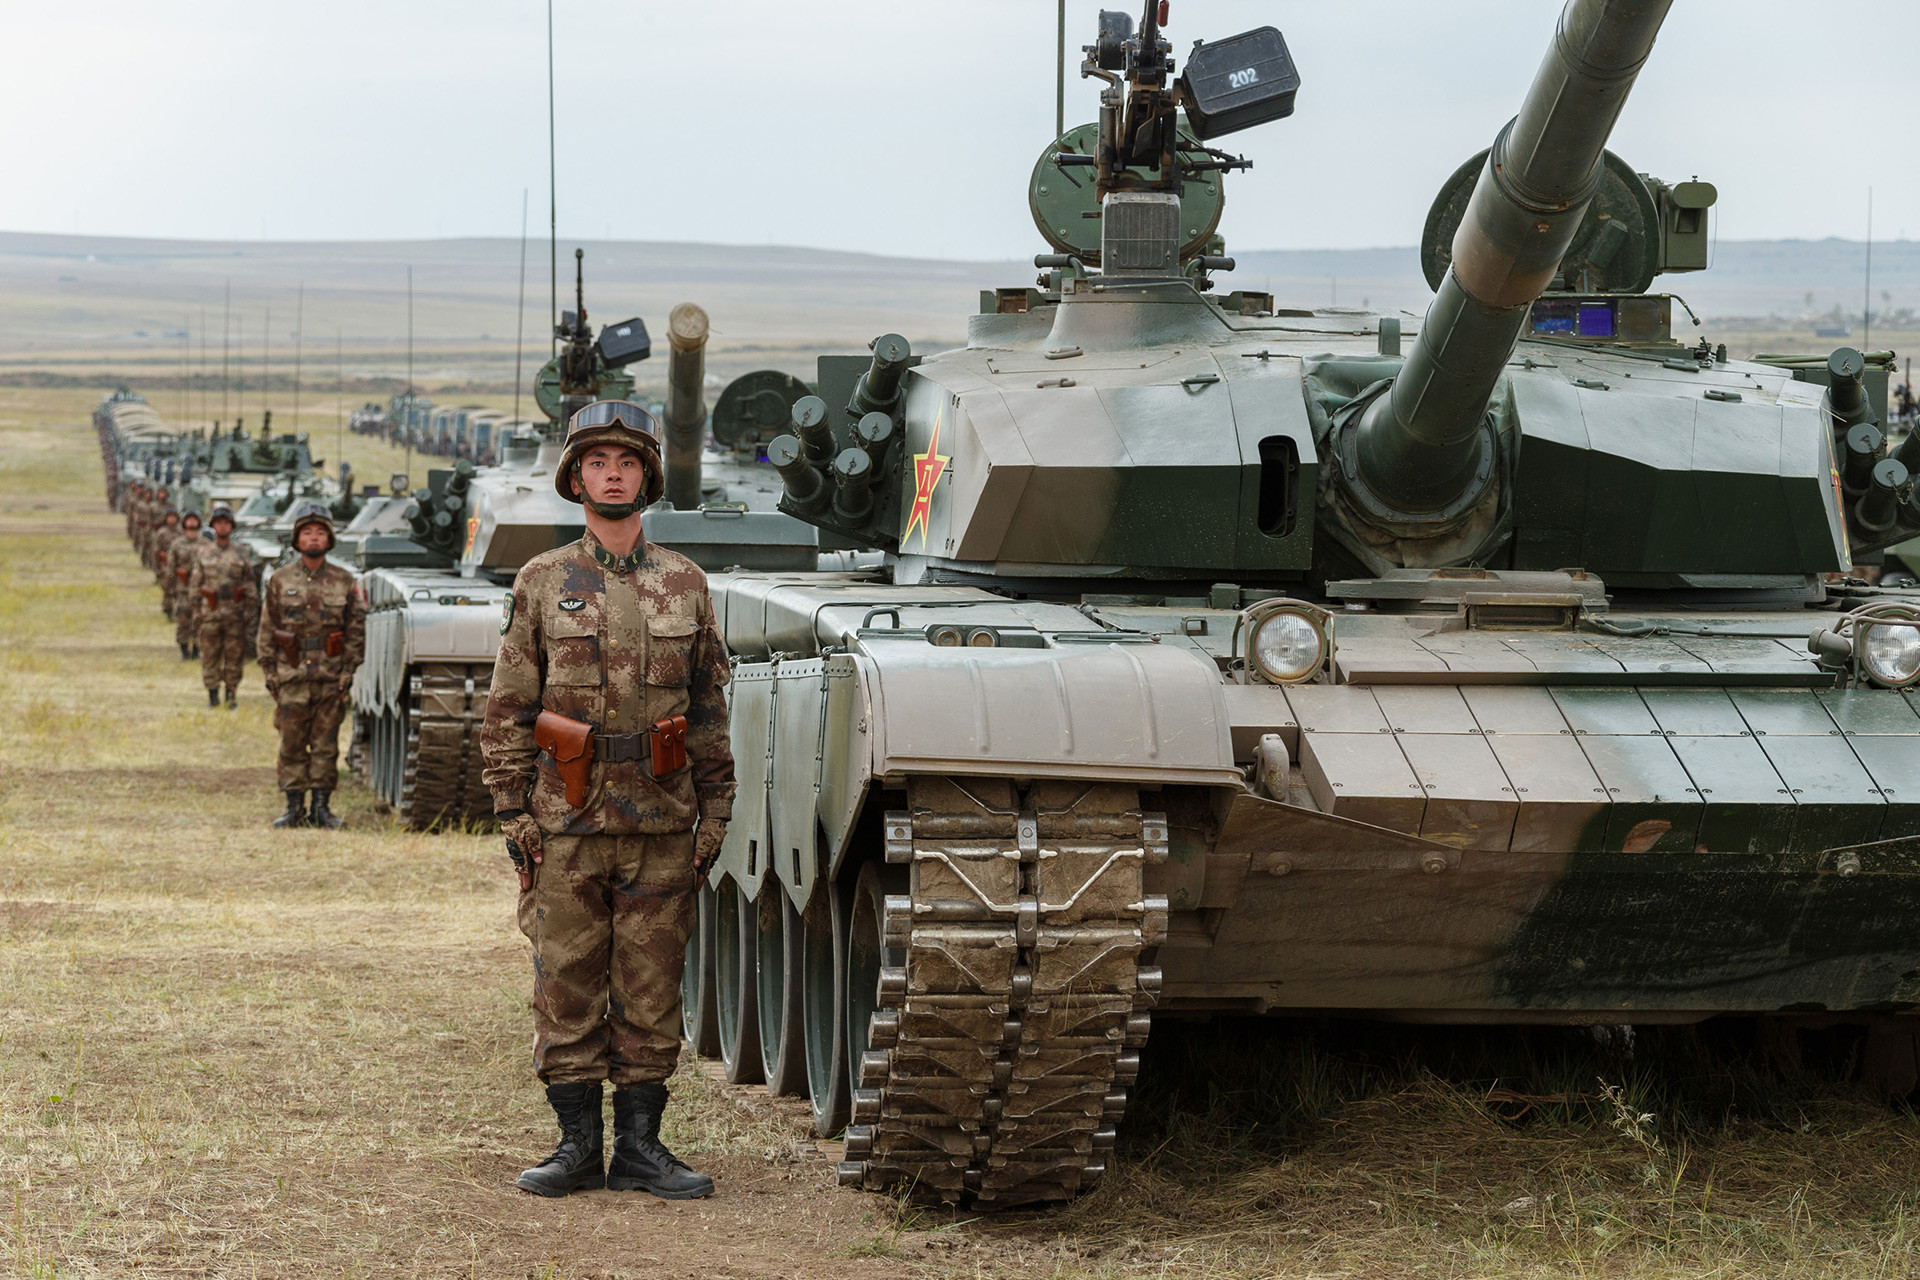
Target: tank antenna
1866	311
1060	76
553	198
520	312
410	399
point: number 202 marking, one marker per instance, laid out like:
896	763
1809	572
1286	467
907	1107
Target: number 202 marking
1241	79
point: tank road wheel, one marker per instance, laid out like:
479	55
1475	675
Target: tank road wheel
776	955
867	954
823	991
736	1003
697	1017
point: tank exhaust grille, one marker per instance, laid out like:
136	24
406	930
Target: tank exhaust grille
1140	233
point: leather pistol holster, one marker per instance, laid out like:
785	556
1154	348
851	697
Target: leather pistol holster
570	743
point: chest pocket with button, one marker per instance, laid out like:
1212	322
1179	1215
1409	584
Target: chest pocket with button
670	642
573	648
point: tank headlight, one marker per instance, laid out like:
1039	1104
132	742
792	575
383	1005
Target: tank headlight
1891	653
1288	646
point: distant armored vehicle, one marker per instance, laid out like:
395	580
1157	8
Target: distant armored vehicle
1495	666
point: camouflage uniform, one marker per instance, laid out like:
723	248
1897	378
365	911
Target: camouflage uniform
618	643
162	557
319	618
222	588
155	530
186	605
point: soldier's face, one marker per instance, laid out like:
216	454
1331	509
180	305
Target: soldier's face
222	528
612	474
311	540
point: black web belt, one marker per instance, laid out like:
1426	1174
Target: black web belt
617	748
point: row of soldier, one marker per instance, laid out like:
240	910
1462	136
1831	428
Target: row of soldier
305	625
608	645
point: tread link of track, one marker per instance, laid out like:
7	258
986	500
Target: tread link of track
446	702
1000	1056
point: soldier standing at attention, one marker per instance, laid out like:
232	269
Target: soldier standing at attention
313	633
605	741
223	585
162	552
156	516
180	558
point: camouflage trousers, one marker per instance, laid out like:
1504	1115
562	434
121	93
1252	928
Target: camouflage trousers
222	644
185	626
609	918
309	716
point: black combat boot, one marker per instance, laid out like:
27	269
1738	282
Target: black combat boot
323	816
196	648
184	655
213	697
233	697
578	1163
641	1162
296	814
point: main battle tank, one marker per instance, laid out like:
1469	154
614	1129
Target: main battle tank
437	570
1494	667
230	469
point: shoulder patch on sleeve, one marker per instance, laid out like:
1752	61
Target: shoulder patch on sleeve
506	613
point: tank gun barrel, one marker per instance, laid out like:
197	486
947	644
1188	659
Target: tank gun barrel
1419	447
686	403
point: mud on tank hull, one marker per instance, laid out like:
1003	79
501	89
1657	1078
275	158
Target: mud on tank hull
1000	860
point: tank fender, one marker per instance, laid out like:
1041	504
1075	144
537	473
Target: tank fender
1109	711
743	855
799	732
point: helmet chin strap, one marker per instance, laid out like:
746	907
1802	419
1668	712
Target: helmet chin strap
613	510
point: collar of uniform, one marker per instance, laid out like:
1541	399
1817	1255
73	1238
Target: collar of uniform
619	564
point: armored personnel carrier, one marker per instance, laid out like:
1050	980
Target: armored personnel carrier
1500	666
135	443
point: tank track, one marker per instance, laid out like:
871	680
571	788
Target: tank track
1014	998
445	704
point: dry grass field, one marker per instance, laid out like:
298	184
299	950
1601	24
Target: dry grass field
227	1052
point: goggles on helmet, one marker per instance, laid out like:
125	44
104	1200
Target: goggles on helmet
603	413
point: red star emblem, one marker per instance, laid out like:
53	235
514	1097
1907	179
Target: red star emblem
928	467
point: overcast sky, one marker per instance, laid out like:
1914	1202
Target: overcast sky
893	126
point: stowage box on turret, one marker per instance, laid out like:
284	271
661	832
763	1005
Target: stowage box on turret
1499	665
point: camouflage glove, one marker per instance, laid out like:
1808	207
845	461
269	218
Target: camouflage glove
706	845
523	844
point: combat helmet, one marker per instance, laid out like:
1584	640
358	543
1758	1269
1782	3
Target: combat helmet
314	513
221	511
619	422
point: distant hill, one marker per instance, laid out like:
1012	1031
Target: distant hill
88	300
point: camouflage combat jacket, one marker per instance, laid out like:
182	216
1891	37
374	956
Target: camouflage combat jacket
321	623
228	573
180	558
162	554
618	643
